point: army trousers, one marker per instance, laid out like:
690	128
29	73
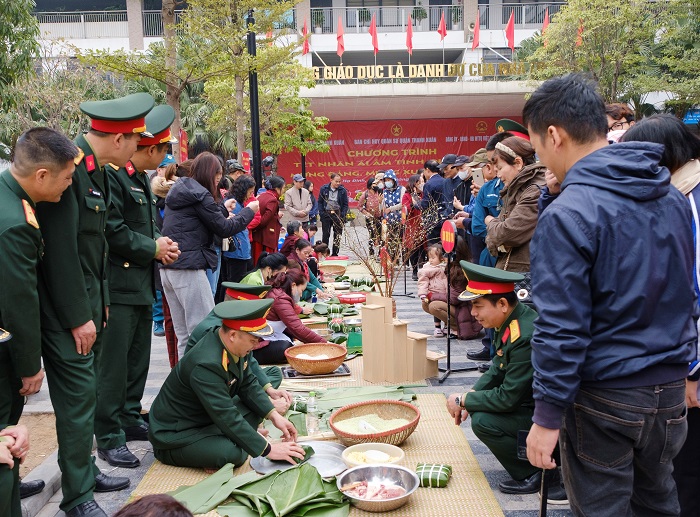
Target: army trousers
9	491
11	402
72	386
122	367
499	432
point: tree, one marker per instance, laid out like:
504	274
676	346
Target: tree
19	47
606	38
677	57
51	97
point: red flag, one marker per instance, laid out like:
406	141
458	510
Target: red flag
340	38
442	28
510	31
475	41
373	32
409	36
305	34
579	36
545	23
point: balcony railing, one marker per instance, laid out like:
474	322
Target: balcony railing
114	24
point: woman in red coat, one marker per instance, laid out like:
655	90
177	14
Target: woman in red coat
284	318
267	232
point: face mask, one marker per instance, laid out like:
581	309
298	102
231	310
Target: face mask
389	184
380	186
463	175
296	296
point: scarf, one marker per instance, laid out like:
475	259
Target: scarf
687	177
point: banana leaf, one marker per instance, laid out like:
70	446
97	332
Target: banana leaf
308	452
338	338
293	488
257	491
322	510
333	301
321	308
211	492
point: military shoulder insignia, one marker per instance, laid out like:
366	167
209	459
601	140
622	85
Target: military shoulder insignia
90	163
80	156
514	330
29	214
130	169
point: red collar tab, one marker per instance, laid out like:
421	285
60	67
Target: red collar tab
119	126
506	335
90	163
130	169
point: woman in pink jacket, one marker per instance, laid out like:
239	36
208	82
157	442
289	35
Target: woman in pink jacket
284	318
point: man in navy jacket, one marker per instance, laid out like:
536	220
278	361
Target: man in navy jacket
612	262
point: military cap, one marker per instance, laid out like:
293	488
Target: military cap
447	160
246	316
123	115
479	157
233	165
4	335
246	291
515	129
158	122
487	280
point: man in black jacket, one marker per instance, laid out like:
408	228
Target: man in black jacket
332	209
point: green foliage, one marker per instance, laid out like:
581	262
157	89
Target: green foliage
615	36
456	12
52	97
19	32
419	13
317	17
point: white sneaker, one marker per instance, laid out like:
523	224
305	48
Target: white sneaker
438	332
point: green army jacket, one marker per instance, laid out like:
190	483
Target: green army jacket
20	252
196	399
507	385
131	233
73	273
213	321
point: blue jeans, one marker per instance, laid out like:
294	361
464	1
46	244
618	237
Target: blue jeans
617	447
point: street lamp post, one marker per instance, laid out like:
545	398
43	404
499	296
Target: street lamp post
254	115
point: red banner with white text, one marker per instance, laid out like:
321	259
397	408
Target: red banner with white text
359	149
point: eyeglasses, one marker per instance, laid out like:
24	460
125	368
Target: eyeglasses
620	124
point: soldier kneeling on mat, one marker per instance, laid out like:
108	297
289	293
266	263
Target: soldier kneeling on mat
501	403
194	420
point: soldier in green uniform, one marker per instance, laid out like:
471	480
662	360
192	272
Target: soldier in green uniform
269	377
194	421
501	402
134	243
505	125
42	167
14	446
74	297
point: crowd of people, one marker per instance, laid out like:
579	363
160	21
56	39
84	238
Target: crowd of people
575	261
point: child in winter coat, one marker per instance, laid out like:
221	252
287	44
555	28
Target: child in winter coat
432	280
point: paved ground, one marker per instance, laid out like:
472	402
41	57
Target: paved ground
408	308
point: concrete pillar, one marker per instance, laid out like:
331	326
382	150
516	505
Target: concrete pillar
470	7
134	15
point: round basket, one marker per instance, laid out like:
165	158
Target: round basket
388	409
352	298
336	355
331	271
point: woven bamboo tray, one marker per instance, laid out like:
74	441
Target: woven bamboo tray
386	409
336	355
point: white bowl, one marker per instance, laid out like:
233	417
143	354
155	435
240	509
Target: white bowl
395	454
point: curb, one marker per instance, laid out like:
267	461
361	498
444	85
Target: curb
48	471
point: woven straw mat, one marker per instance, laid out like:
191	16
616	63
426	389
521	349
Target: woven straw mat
436	440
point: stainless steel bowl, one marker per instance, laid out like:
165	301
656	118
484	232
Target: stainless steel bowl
389	474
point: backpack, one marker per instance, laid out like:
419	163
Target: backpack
373	204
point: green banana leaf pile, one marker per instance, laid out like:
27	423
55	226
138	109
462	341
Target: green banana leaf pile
297	492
